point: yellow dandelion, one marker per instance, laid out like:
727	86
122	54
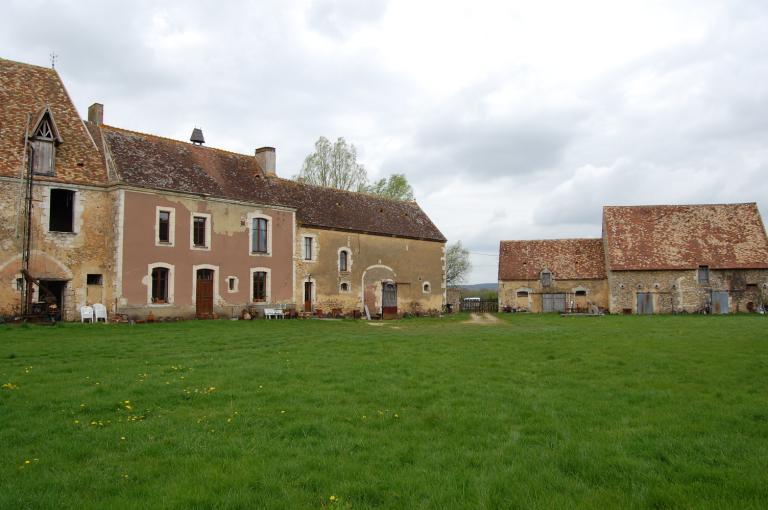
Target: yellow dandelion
333	499
122	438
27	461
77	421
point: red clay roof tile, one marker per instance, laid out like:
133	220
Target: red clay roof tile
568	259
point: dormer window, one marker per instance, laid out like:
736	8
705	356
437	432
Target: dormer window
45	137
546	278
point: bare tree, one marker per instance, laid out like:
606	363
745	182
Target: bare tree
457	264
334	166
396	186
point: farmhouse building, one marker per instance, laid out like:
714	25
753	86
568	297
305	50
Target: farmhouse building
146	224
651	259
552	275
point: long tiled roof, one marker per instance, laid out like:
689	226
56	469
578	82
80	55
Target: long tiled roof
728	236
568	259
160	163
25	91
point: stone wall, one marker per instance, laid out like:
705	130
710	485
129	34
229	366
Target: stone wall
596	293
680	291
417	267
58	256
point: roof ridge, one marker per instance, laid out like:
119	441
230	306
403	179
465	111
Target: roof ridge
173	140
677	205
25	64
555	239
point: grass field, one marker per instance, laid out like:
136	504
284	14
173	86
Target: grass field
534	411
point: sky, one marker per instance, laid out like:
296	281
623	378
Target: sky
512	120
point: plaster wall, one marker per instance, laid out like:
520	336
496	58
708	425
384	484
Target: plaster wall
373	259
228	253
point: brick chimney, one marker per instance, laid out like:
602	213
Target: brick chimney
96	114
265	157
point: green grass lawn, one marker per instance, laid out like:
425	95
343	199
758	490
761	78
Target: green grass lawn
535	411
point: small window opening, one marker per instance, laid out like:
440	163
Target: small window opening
344	287
62	211
343	260
426	287
231	283
581	293
19	283
546	278
160	285
198	231
522	293
164	226
94	279
307	248
703	274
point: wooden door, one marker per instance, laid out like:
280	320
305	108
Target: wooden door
719	301
389	300
204	294
307	296
553	303
644	303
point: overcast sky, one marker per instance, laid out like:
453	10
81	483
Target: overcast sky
512	120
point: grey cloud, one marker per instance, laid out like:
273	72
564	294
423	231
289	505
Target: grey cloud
335	18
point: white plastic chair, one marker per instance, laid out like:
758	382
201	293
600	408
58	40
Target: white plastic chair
100	312
86	313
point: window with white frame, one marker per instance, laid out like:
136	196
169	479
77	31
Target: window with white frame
260	226
232	283
308	248
260	285
165	226
426	288
160	280
200	231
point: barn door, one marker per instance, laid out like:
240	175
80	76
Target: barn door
719	301
552	303
204	294
389	300
644	303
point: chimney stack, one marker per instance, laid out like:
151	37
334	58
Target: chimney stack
265	157
96	114
197	137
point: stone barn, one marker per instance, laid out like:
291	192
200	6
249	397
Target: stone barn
554	275
685	258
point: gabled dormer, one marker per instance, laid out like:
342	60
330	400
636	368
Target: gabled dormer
43	140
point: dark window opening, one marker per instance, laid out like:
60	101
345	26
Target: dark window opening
160	285
19	283
260	286
703	274
426	287
343	256
198	231
581	293
232	284
62	211
345	287
307	248
522	293
259	233
93	279
164	227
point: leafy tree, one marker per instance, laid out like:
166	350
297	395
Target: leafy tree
396	187
334	166
457	264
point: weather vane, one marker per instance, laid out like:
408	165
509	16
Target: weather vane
53	56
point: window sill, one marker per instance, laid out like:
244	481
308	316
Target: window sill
164	244
159	305
62	232
200	248
309	260
260	254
